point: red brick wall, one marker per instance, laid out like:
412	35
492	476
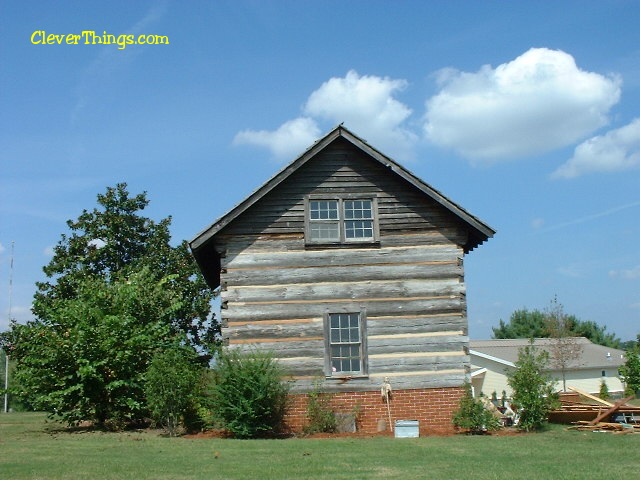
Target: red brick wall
432	407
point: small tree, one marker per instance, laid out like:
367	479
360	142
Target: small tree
248	395
172	386
533	388
473	416
564	347
630	372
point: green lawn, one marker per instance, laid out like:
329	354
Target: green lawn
33	449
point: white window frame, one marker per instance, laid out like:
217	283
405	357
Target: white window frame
341	220
361	344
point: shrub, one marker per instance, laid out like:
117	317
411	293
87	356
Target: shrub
533	388
630	372
322	418
604	391
248	395
473	416
172	387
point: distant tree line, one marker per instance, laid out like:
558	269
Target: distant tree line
526	323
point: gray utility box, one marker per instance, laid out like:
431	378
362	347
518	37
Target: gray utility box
407	429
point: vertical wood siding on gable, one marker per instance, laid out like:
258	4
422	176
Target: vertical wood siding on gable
275	290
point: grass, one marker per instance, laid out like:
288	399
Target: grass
33	449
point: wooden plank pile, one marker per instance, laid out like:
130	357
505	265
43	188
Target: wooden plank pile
597	415
583	425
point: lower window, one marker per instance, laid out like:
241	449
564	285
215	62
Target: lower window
344	339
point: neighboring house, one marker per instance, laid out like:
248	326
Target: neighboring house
492	360
350	269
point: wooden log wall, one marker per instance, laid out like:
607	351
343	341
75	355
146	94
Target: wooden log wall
275	288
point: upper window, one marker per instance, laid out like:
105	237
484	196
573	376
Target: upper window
341	220
344	337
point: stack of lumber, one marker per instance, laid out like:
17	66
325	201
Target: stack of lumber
605	427
596	411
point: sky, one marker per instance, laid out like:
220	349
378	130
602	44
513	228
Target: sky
525	113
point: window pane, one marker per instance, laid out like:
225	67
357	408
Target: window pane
344	338
327	232
354	335
355	209
358	228
323	210
335	335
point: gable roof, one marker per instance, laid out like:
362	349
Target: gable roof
505	351
478	230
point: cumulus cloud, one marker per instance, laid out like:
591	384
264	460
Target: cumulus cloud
536	103
287	141
365	104
614	151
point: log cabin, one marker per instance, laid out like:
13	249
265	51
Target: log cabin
350	269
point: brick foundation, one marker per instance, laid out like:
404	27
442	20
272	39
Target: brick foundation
432	407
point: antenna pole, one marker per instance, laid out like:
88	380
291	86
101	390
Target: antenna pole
6	354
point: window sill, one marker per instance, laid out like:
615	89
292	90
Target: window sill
346	378
321	246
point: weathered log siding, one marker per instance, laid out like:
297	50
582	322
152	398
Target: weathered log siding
275	289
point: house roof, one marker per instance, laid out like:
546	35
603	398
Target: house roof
478	230
505	351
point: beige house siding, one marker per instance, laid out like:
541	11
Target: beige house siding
494	379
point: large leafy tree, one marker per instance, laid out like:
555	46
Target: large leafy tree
116	293
115	238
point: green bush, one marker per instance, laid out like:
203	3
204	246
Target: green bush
173	387
630	372
533	388
604	391
473	416
247	394
322	418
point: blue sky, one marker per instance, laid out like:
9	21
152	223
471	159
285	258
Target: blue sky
525	113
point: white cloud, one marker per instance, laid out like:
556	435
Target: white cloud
630	274
364	103
574	270
537	223
2	249
287	141
617	150
536	103
49	251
